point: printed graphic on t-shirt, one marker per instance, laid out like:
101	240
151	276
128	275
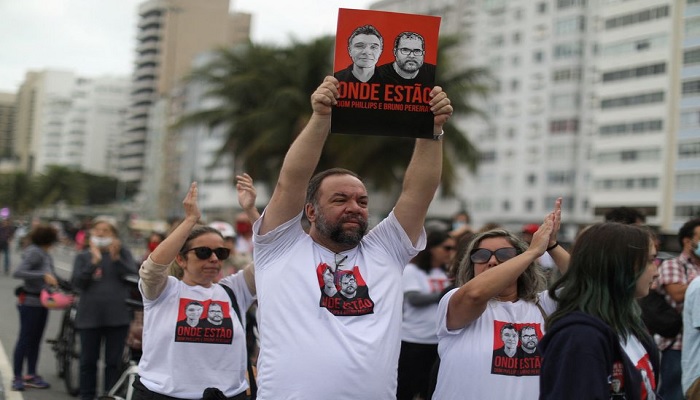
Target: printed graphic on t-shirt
617	381
515	348
204	322
437	285
343	292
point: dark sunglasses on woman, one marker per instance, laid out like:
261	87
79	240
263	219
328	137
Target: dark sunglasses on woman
203	253
480	256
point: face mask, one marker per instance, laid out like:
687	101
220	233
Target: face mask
101	241
697	250
458	225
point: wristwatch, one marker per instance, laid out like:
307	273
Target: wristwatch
439	135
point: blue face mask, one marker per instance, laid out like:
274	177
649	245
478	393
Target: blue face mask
696	250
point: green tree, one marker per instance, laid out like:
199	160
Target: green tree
263	100
61	184
16	192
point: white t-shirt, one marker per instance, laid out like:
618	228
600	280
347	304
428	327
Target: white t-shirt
473	359
640	358
318	345
180	360
690	356
420	323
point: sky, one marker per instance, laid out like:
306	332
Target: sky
97	37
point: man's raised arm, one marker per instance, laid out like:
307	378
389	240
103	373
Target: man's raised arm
423	173
301	160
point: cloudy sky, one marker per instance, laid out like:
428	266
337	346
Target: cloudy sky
97	37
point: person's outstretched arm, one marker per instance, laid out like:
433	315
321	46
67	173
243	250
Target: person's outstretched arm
301	160
470	301
423	173
247	195
154	274
556	251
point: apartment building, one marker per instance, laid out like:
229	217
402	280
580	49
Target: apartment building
585	106
64	119
170	35
686	191
7	122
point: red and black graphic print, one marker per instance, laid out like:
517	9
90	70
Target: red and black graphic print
617	381
206	321
343	292
515	348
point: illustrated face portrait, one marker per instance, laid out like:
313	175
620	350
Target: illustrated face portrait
348	285
528	339
215	315
194	311
365	50
409	54
328	278
509	337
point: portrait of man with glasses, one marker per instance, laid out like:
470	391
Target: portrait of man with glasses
409	66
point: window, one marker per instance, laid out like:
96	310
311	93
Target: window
692	27
637	17
567	74
565	101
687	182
637	72
538	56
541	8
622	184
529	205
560	177
636	45
562	4
691	56
568	50
626	128
531	179
562	126
691	87
630	101
689	150
689	211
569	25
516	37
690	119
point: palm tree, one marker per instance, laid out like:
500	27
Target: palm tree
263	94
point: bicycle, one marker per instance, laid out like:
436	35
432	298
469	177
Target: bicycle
66	347
123	389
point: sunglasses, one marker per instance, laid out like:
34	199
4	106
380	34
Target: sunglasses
203	253
448	248
480	256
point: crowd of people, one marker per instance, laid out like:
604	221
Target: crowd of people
344	310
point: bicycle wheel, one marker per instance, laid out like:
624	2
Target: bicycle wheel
71	373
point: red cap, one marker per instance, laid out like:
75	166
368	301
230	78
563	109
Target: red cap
530	228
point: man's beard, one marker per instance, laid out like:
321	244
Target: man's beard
336	232
408	66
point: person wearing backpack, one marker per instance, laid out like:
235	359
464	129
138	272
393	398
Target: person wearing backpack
674	276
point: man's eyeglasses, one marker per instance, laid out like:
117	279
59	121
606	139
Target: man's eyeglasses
416	52
203	253
480	256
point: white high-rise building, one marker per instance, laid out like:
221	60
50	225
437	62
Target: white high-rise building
584	106
170	34
66	120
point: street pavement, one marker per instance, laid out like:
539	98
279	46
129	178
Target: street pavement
9	327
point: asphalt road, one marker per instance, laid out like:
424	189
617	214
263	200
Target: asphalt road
9	327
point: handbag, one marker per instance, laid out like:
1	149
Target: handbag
659	317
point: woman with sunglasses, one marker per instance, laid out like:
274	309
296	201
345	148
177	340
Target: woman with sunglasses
598	322
205	358
424	280
489	326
